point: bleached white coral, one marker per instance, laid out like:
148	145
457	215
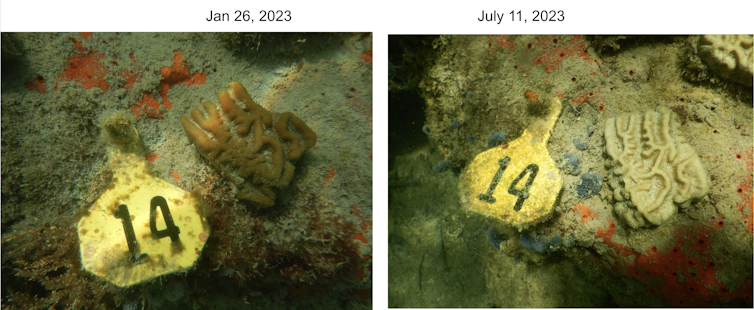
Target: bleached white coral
729	56
654	170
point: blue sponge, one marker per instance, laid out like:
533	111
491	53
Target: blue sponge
579	144
573	163
455	124
494	238
442	165
589	185
589	130
568	242
495	137
539	243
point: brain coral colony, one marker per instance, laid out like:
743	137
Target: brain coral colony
296	247
655	169
245	162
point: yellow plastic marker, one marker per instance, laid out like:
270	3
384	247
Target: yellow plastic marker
142	227
516	183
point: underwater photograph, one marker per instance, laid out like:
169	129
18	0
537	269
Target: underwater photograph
570	171
186	170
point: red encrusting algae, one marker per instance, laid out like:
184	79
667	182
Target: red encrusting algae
531	95
149	105
131	76
745	189
586	213
366	56
330	174
684	275
176	74
555	53
501	41
86	68
151	157
38	85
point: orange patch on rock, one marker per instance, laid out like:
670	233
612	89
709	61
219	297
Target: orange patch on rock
86	68
149	106
131	76
131	79
590	96
366	56
361	238
685	274
586	213
38	85
86	35
151	157
331	174
79	47
531	95
365	223
176	176
178	74
581	99
554	54
501	41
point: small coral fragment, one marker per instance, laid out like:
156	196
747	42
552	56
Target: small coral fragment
255	149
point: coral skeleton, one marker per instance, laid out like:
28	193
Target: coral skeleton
255	149
729	56
654	170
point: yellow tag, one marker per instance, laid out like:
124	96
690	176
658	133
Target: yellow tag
516	183
159	244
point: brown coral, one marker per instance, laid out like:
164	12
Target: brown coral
255	149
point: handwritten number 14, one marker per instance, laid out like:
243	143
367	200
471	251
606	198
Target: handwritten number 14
522	194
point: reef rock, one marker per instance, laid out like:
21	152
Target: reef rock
255	149
653	169
729	56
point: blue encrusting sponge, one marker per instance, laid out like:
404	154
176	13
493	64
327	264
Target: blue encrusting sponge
589	185
495	137
573	163
494	238
539	242
442	165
